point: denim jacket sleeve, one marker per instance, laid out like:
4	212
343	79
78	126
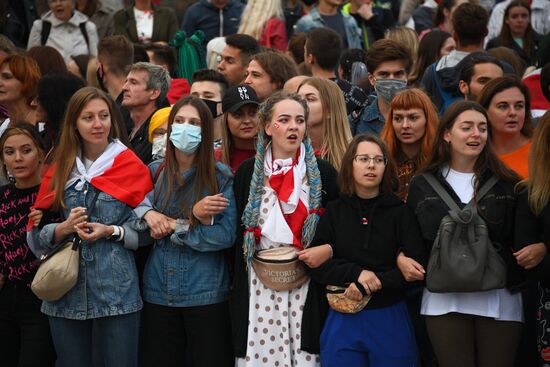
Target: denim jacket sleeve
216	237
110	214
41	240
353	32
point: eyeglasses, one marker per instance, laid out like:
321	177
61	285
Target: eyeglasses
58	1
364	159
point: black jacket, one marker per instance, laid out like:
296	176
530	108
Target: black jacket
497	208
140	142
529	59
374	246
531	228
16	18
315	308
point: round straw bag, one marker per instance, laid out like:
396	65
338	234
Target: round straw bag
339	302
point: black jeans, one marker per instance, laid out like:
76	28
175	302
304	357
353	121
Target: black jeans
25	339
168	333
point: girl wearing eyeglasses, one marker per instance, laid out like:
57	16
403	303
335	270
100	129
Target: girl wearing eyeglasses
366	227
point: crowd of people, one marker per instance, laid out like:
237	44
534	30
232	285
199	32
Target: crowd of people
276	182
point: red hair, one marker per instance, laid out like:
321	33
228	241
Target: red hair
25	69
406	100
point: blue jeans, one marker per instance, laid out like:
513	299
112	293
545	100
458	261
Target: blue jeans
381	337
118	336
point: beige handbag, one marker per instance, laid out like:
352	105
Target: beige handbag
58	270
279	268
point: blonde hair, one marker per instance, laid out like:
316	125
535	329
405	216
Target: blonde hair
336	130
538	182
257	13
407	38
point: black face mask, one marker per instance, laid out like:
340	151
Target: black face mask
100	74
212	106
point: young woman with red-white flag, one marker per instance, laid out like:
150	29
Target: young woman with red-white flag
90	162
280	194
193	220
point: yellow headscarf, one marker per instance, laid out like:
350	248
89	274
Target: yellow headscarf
159	118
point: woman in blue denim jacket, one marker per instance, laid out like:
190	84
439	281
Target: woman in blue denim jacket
92	163
193	220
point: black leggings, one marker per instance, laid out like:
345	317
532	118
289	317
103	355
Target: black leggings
461	340
25	339
168	333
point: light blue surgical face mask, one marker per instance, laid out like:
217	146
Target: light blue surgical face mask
186	137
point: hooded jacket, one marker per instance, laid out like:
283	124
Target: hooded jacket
212	21
447	72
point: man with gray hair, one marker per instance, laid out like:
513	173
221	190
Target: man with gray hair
144	92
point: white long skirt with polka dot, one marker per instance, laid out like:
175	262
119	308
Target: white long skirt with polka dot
274	327
274	318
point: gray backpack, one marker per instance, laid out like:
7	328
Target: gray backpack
463	257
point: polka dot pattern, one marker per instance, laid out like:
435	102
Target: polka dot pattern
275	318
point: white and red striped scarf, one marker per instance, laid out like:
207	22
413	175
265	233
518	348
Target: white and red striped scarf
287	177
117	172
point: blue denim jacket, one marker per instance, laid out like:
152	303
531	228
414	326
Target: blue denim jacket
314	20
107	279
189	267
370	120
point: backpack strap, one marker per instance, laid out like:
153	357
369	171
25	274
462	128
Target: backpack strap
82	27
485	188
441	192
444	195
46	28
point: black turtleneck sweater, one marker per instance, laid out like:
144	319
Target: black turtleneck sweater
368	234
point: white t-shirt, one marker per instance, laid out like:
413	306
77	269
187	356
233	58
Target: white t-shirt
144	24
499	304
